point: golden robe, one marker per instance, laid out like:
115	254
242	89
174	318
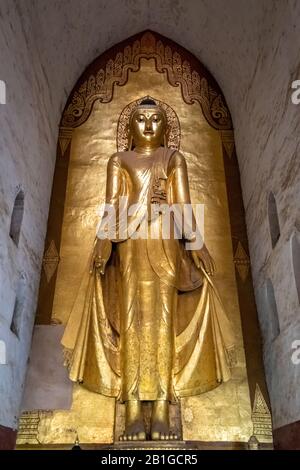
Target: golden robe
153	327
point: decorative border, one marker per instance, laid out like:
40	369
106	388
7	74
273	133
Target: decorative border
98	81
261	418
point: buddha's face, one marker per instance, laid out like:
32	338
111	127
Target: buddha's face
148	126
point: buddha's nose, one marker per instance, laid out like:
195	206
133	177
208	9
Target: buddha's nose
148	127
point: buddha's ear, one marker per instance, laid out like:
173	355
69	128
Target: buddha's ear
130	141
129	138
166	133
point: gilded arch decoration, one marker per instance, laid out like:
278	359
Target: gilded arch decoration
98	81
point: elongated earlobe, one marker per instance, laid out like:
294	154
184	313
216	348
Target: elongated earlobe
130	142
165	141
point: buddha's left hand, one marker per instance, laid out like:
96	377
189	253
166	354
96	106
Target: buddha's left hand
203	257
101	255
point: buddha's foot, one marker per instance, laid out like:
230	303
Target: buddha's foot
134	427
163	436
160	428
133	436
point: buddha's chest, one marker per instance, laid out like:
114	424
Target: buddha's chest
138	170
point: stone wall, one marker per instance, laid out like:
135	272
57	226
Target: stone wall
252	49
27	149
267	137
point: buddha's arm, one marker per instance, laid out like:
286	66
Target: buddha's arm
179	176
113	181
180	194
180	191
108	227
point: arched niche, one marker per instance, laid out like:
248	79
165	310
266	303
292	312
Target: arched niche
150	64
273	219
273	317
17	217
16	321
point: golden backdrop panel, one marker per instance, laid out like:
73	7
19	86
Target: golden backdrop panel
223	414
90	417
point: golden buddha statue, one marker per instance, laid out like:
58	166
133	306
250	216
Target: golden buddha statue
153	327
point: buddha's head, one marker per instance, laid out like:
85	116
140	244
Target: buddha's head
147	126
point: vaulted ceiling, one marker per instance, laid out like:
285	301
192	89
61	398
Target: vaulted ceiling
225	35
250	47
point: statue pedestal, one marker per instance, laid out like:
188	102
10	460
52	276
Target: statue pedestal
184	445
180	445
152	445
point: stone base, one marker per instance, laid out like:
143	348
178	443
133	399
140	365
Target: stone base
151	445
287	437
8	438
183	445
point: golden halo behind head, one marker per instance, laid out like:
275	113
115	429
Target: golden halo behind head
173	125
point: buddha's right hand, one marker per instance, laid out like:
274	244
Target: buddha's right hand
101	255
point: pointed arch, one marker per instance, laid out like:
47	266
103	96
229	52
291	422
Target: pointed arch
273	219
17	217
17	315
185	72
112	68
273	317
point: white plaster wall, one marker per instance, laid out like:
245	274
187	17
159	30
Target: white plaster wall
252	49
27	139
267	139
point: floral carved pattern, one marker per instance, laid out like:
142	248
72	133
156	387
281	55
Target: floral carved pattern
261	417
242	262
50	261
173	125
100	84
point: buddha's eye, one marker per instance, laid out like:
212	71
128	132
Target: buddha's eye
140	119
156	119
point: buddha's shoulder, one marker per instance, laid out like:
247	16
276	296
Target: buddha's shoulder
118	157
123	156
177	159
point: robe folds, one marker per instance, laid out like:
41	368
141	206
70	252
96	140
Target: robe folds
153	327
